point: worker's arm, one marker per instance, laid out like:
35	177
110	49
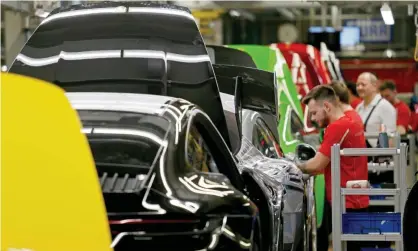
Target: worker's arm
404	116
334	134
315	165
387	116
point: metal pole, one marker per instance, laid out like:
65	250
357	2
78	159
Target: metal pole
412	159
403	187
336	198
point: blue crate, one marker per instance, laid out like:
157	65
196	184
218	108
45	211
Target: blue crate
365	223
376	249
377	197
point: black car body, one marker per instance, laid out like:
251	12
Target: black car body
260	148
148	48
162	190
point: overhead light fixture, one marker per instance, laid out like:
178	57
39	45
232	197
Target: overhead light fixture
41	13
297	12
387	14
389	53
410	10
286	13
234	13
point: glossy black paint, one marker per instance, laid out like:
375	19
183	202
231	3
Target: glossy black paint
169	208
160	212
139	52
227	56
258	86
410	220
287	215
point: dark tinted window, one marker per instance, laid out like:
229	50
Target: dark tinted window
124	138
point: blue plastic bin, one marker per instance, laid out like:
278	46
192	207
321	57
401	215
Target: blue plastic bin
377	197
376	249
365	223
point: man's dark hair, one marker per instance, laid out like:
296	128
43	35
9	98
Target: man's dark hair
388	85
341	91
321	93
352	87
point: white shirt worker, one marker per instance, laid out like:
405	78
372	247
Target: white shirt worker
384	113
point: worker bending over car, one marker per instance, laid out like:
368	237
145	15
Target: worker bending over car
327	112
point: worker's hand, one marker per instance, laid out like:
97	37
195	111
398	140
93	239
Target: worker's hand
401	129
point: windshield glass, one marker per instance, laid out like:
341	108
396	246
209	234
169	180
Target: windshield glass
124	139
127	46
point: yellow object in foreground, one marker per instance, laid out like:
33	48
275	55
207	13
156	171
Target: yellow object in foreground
50	194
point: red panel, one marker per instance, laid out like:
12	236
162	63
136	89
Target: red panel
402	72
314	64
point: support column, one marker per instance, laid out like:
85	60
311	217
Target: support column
324	15
13	34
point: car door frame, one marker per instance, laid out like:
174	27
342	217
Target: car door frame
218	148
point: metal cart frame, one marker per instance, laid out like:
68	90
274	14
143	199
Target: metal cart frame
338	204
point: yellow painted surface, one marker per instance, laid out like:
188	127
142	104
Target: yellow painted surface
50	194
207	14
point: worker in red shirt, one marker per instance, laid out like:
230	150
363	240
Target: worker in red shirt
388	91
325	110
353	97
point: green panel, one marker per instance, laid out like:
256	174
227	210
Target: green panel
319	190
269	59
263	56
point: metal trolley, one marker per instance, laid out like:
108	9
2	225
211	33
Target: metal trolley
338	204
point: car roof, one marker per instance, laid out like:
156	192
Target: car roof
126	102
136	47
48	172
110	4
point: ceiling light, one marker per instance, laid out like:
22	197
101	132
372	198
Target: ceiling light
234	13
286	13
387	14
389	53
41	13
410	10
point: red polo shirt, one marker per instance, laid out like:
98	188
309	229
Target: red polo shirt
403	114
355	102
414	119
349	134
352	114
